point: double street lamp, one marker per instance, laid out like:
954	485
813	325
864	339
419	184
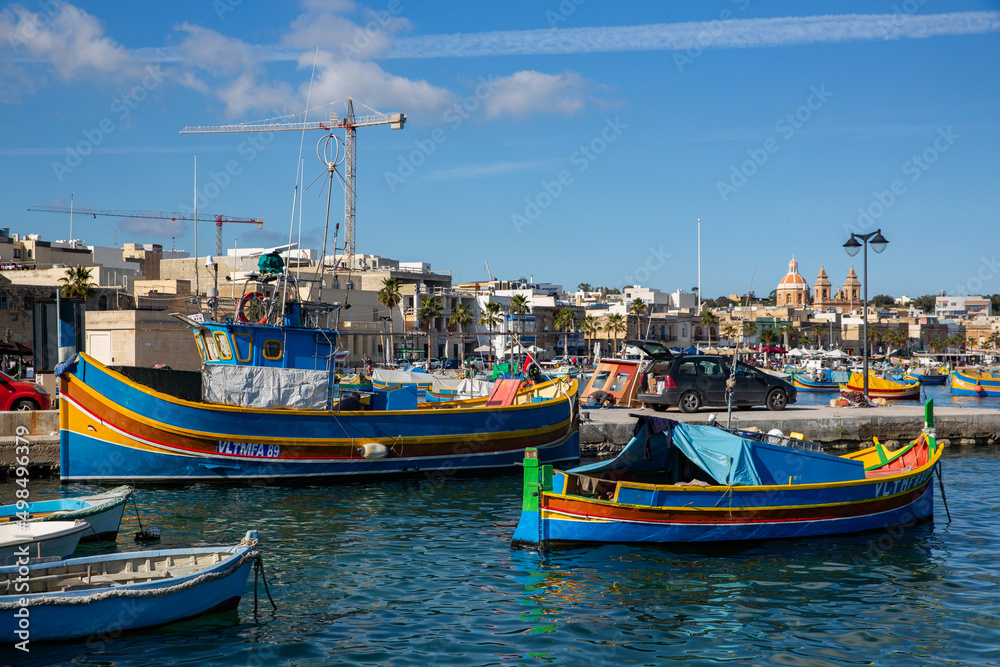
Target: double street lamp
878	244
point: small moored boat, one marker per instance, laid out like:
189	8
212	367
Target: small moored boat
881	388
685	483
103	511
38	540
85	597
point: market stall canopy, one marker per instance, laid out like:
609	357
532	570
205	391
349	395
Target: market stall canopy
16	349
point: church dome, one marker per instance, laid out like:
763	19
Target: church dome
793	280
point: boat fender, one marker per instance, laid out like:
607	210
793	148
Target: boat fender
373	450
775	436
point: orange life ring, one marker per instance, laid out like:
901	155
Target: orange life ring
247	298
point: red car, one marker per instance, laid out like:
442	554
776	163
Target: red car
20	395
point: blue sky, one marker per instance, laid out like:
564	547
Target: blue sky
575	141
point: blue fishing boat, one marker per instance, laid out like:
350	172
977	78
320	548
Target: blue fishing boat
114	428
926	378
54	539
822	380
975	383
101	596
685	483
102	511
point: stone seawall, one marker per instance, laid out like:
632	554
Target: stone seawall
42	437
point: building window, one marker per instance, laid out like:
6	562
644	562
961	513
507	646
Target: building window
102	303
3	301
17	253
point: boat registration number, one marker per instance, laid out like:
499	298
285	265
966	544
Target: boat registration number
248	449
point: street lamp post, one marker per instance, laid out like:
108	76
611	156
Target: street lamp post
878	243
385	349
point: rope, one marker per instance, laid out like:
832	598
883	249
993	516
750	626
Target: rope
258	566
944	498
125	592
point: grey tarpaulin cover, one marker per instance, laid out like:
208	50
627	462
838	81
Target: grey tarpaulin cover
259	387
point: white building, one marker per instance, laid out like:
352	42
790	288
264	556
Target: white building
949	307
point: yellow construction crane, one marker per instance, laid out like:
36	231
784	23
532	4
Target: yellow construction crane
156	215
349	123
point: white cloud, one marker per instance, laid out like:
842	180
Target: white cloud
326	26
69	39
214	52
246	93
529	92
338	79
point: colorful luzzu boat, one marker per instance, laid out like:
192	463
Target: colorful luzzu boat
824	380
682	483
882	388
975	383
113	428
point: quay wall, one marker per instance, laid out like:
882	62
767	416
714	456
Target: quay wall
604	431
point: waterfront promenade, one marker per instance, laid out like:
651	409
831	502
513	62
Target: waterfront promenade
604	430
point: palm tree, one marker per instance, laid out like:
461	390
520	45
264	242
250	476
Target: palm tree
519	306
490	317
729	331
637	308
430	309
390	297
590	328
749	329
784	331
460	316
565	320
76	283
769	337
806	339
615	324
708	318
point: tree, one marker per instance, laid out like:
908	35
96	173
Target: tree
430	309
460	316
590	327
769	337
490	317
76	283
806	339
749	329
637	308
708	318
615	324
519	306
925	303
584	287
390	297
729	332
565	320
882	301
784	331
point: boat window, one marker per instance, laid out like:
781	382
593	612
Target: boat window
601	379
619	383
223	344
201	346
272	350
242	344
211	352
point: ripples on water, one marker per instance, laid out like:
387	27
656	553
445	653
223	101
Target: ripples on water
414	573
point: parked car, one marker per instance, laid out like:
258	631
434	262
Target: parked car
691	381
452	364
21	395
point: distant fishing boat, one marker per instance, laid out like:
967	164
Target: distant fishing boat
103	511
682	483
823	380
881	388
975	383
94	596
930	377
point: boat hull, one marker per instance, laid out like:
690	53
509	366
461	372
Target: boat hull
808	385
782	517
112	429
57	539
968	385
103	512
101	614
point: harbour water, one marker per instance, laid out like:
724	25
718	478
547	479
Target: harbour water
940	393
420	572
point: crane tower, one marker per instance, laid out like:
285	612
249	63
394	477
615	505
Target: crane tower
350	124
